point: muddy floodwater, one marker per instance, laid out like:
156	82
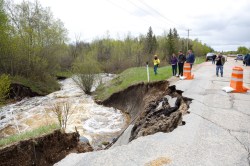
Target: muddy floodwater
93	121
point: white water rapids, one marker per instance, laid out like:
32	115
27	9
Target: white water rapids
93	121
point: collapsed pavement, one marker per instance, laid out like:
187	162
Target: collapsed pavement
152	107
217	129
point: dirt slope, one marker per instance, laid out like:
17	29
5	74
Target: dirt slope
42	151
149	109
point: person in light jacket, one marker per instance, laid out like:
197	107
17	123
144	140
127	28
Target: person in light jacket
156	62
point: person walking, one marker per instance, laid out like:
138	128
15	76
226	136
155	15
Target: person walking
220	60
156	62
213	59
190	58
181	61
173	61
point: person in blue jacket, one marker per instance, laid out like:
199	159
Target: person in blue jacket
190	58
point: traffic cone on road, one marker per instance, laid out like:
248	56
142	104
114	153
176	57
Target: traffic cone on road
187	72
237	80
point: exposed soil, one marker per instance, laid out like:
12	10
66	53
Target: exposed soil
43	151
160	116
18	92
61	77
147	104
149	108
134	99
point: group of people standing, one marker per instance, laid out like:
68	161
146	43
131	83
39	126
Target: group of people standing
180	60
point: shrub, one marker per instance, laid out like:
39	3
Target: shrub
63	112
86	72
4	86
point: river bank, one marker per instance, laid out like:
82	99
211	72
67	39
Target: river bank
93	121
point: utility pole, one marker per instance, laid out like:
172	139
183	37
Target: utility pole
188	37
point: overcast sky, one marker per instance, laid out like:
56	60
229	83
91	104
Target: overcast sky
222	24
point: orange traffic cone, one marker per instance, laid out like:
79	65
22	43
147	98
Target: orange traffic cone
237	80
187	72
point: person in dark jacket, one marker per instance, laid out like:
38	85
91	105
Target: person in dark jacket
213	59
219	64
173	61
181	61
247	60
190	58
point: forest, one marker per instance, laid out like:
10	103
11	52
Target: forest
35	48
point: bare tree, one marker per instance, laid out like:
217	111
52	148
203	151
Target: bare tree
63	113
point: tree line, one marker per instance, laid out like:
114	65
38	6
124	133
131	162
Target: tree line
35	46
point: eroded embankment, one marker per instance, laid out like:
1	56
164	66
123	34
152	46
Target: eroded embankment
19	91
43	151
153	107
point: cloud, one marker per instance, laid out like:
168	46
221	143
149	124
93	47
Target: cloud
219	23
224	28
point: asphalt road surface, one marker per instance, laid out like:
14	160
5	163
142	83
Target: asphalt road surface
217	130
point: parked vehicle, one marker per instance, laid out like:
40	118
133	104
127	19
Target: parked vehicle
239	57
209	56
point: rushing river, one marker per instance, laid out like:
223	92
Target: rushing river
93	121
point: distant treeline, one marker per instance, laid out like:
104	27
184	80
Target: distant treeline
34	45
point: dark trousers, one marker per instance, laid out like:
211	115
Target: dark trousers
180	65
174	69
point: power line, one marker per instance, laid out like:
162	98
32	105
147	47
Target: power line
135	5
151	11
188	37
160	14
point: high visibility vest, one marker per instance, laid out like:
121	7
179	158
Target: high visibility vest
156	62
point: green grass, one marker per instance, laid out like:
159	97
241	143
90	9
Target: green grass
66	74
30	134
42	88
132	76
199	60
129	77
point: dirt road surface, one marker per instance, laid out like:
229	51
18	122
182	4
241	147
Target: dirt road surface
217	130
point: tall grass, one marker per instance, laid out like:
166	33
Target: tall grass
30	134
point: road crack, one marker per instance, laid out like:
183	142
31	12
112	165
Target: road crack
231	108
244	146
229	131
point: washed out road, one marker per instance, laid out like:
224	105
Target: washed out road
216	133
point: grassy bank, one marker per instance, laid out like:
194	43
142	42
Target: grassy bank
129	77
27	135
132	76
41	87
65	74
199	60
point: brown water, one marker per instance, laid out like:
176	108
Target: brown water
93	121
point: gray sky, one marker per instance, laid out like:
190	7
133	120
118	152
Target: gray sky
222	24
